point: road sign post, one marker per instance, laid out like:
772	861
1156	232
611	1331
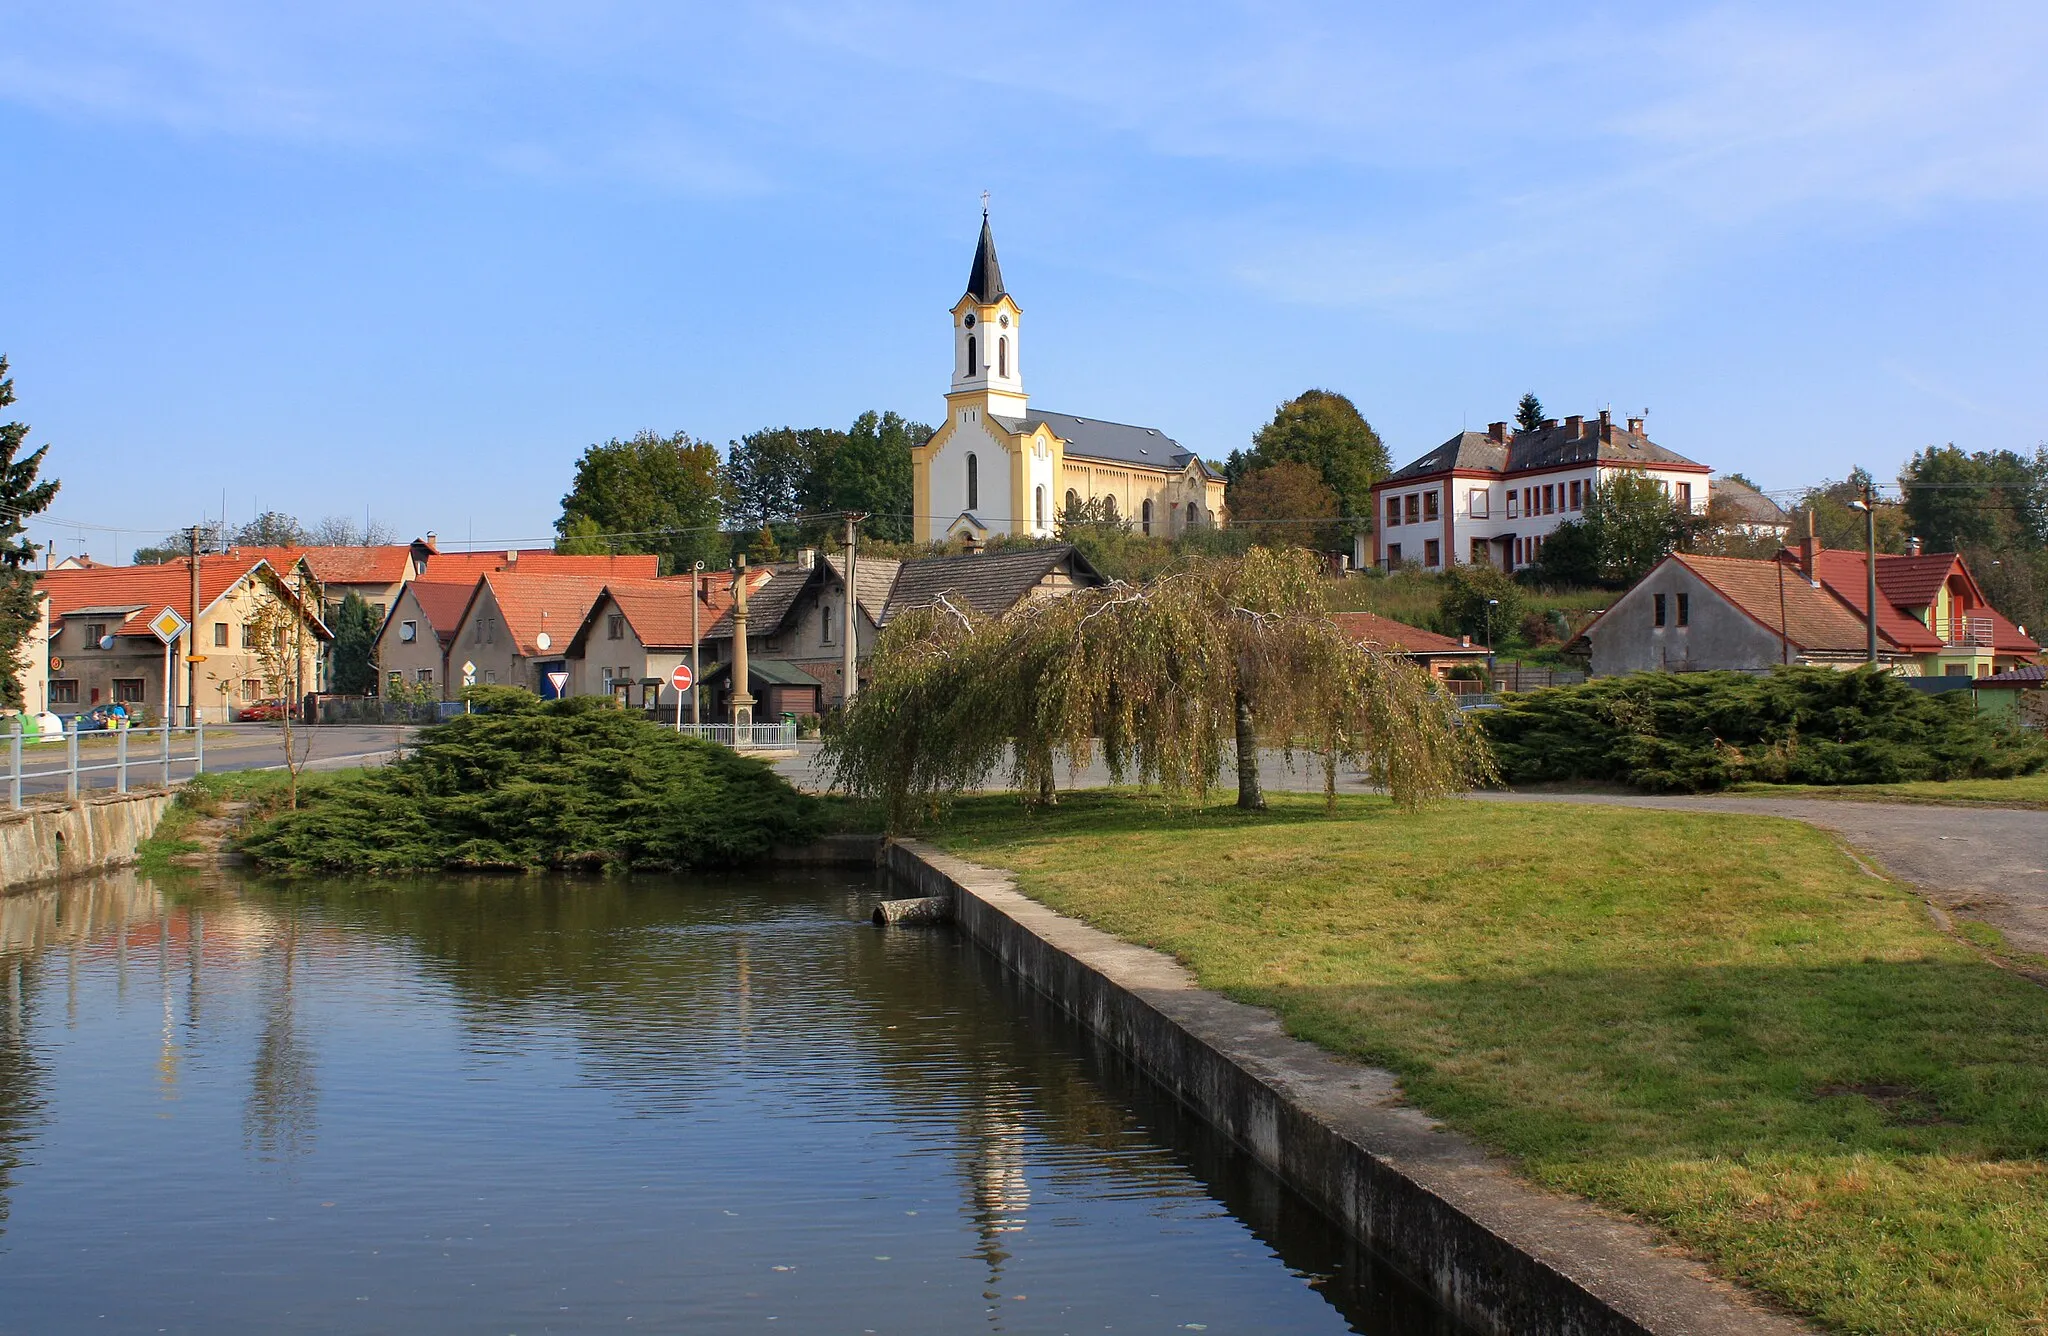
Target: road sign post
167	626
681	679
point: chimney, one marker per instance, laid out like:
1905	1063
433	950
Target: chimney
1497	432
806	558
1606	425
1808	547
511	556
1548	423
1912	547
1635	426
1575	426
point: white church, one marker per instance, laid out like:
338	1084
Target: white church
998	466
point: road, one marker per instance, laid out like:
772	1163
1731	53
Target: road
228	747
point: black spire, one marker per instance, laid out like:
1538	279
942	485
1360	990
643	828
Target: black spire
985	280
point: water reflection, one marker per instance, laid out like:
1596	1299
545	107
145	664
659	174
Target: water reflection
564	1104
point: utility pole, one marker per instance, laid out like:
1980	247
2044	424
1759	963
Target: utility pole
696	669
192	641
851	669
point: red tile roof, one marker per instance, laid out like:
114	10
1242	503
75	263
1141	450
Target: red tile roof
1814	620
1370	628
659	610
149	589
532	604
442	604
465	567
1847	578
1912	582
387	563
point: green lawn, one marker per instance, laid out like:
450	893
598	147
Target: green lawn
1717	1023
2022	791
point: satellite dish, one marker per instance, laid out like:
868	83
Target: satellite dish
543	640
106	642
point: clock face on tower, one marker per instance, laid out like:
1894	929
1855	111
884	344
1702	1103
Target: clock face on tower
969	321
1004	320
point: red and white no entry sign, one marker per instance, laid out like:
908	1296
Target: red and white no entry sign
680	679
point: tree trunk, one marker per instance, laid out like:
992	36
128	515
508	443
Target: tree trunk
1250	796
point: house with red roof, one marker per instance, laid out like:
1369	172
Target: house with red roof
414	642
1437	654
638	631
1697	613
516	627
101	650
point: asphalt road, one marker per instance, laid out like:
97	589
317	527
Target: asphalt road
228	747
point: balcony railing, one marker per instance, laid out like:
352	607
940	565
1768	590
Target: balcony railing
1977	632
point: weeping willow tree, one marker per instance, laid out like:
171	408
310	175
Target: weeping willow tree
1168	681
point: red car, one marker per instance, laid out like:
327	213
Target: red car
263	712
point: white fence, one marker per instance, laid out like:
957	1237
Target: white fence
752	736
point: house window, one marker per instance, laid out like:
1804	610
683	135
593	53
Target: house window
608	681
1393	555
1481	555
128	691
1479	502
1685	497
615	626
1429	506
1003	356
1549	499
249	640
251	688
1514	504
1145	516
1656	610
395	679
1393	511
825	621
973	482
1577	494
425	677
1685	609
64	691
220	635
95	632
1109	508
1038	506
1432	553
1194	514
377	610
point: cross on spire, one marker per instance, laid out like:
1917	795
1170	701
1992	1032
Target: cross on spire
984	204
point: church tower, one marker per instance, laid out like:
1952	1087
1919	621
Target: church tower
986	324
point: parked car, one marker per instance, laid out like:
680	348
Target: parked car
100	718
263	711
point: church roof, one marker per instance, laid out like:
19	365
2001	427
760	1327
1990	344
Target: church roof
1118	442
985	280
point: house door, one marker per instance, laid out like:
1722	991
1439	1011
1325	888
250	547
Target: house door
546	684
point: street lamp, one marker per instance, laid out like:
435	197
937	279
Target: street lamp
1868	505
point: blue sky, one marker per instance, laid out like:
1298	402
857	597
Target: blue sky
414	258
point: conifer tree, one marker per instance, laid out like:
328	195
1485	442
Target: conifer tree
22	495
355	641
1529	412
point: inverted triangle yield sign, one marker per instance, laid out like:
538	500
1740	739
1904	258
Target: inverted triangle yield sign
560	682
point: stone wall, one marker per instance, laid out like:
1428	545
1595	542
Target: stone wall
45	842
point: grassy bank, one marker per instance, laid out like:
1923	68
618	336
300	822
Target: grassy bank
1717	1023
2021	791
262	793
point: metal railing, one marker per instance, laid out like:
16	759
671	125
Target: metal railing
1976	631
137	753
736	737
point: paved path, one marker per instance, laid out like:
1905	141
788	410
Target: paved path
1989	863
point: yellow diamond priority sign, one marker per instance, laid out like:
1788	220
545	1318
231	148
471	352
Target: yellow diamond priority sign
168	625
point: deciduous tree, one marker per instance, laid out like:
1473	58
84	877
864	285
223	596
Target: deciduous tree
24	493
776	475
1168	680
871	474
1324	430
653	493
1285	504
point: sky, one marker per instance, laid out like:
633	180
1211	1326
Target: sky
408	261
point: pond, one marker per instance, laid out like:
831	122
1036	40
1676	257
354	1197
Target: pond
527	1106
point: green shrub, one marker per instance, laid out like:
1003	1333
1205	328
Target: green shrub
532	784
1692	732
1476	597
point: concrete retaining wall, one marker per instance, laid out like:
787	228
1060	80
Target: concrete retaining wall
43	843
1499	1253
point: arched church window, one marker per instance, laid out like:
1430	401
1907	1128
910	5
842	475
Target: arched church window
1109	509
1038	506
1194	514
1073	501
1003	356
1145	512
970	354
973	482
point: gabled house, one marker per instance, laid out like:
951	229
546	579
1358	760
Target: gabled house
796	617
639	631
32	664
101	650
1697	613
414	643
516	629
374	573
1493	497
